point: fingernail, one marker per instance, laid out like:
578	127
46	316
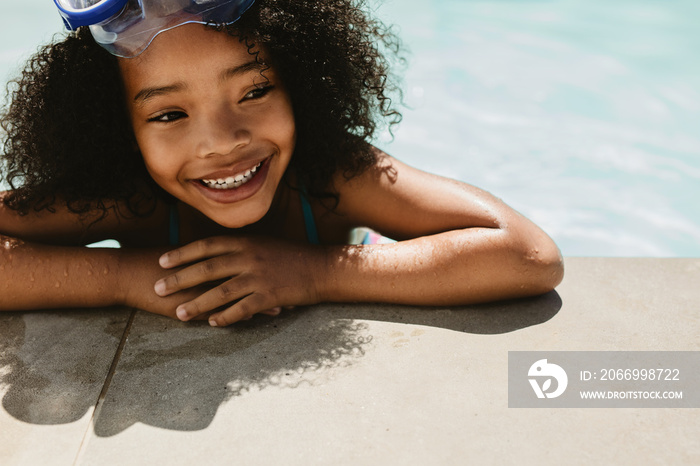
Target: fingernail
163	261
181	313
160	287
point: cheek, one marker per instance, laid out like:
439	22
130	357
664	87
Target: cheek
286	127
280	119
160	161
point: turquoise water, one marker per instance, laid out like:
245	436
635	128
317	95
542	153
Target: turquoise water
582	114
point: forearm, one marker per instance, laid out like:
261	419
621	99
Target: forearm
36	276
247	275
452	268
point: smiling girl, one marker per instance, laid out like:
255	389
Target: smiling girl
231	160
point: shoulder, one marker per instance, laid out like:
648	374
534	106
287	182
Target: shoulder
404	202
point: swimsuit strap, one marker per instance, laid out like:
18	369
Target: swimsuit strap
309	222
174	228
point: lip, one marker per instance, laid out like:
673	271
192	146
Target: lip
228	196
239	168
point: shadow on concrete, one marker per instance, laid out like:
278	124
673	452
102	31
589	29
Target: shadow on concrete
53	364
485	319
175	375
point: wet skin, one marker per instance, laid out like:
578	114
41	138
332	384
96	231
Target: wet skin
206	118
200	117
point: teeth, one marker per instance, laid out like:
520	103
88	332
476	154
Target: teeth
232	181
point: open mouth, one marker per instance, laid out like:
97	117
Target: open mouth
233	182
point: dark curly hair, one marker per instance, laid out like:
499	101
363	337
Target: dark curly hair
67	109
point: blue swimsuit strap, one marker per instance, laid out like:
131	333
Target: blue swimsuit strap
309	222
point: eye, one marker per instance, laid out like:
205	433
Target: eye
168	117
258	92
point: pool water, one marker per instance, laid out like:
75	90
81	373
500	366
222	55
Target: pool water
582	114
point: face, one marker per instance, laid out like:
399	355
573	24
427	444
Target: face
212	130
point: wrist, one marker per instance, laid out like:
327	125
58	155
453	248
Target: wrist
339	274
137	273
322	278
127	277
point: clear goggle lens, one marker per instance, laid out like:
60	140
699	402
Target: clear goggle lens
127	27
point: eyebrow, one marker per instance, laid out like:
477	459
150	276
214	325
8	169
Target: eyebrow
252	65
150	92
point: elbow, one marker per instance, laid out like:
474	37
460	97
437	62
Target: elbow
543	266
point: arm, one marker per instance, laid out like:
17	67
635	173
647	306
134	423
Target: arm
37	275
467	246
460	245
39	271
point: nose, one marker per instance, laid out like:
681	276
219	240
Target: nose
221	132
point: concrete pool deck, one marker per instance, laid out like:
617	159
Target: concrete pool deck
345	384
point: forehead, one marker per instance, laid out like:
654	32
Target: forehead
190	49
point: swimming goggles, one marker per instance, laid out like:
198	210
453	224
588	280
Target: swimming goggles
127	27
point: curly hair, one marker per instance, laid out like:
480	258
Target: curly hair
67	109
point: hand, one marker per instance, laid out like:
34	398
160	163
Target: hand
253	275
138	270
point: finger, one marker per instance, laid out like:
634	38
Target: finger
275	311
209	270
198	250
242	310
222	295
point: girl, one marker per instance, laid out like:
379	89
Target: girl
239	133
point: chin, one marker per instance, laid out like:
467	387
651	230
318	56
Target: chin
232	220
